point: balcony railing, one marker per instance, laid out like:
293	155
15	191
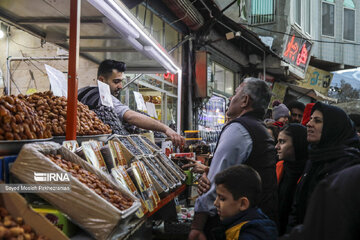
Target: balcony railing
262	11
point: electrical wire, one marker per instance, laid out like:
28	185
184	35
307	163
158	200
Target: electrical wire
24	45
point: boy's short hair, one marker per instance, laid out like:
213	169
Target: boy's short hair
106	67
241	181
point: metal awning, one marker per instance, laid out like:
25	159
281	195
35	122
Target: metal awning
108	31
311	93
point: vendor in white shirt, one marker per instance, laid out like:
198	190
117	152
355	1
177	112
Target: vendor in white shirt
111	72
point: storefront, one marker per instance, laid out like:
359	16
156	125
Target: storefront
116	208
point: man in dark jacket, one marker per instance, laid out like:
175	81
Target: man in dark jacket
334	210
243	140
111	72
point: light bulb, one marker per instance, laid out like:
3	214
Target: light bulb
2	34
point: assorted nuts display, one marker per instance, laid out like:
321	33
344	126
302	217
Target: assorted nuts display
99	186
11	228
18	121
53	109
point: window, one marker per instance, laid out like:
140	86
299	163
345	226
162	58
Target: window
158	29
328	17
219	78
349	20
262	11
229	82
224	79
298	12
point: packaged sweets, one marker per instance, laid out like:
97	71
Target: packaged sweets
117	153
122	177
144	185
93	155
72	145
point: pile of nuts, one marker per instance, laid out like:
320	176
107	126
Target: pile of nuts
52	110
101	187
18	121
11	228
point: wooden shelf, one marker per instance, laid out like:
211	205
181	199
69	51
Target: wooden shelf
167	199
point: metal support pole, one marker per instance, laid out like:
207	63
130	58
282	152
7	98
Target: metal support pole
264	64
71	118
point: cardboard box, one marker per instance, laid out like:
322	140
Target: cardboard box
83	206
18	207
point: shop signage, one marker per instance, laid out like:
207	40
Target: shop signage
278	93
297	50
168	77
317	79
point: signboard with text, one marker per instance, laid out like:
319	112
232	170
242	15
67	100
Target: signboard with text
297	50
317	79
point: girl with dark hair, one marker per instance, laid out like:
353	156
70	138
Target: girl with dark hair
334	146
292	152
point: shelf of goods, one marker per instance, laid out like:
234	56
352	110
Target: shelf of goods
125	177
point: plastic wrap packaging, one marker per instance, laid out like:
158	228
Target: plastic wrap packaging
122	177
172	166
171	182
150	144
72	145
91	150
144	184
147	180
166	169
140	144
113	155
157	175
82	204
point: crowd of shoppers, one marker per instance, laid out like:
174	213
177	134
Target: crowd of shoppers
308	190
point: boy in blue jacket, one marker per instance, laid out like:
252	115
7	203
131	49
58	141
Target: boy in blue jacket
238	189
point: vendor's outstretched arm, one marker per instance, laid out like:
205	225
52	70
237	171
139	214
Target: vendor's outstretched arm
142	121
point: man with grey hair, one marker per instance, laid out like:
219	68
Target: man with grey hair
244	140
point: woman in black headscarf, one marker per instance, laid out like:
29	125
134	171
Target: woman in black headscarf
334	146
292	152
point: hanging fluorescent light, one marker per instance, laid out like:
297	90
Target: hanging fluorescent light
2	34
115	6
149	50
121	25
138	46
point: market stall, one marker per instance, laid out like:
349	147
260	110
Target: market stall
117	181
